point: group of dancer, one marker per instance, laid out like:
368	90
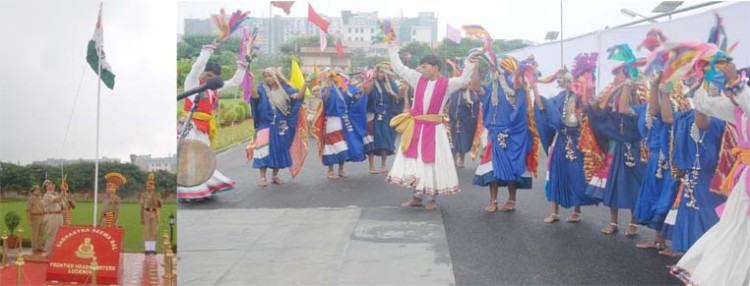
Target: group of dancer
667	139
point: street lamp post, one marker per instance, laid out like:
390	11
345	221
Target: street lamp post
171	230
633	14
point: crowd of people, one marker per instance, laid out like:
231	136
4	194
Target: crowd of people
666	140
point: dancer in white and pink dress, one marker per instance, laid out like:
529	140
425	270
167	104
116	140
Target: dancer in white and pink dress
722	255
424	161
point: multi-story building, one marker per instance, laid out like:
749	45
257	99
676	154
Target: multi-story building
148	164
358	29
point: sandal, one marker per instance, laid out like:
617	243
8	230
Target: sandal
632	230
430	205
277	180
508	206
610	229
332	176
492	207
651	244
575	217
413	202
263	183
553	217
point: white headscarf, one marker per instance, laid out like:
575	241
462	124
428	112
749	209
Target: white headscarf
279	98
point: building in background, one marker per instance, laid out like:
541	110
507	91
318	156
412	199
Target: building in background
355	29
148	164
311	56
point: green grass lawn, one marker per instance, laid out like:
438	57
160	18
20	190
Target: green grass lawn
130	220
231	134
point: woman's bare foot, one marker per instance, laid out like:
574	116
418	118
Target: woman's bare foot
277	180
575	217
669	252
263	183
610	229
373	171
492	207
430	205
508	206
383	169
412	202
632	230
342	174
650	244
331	175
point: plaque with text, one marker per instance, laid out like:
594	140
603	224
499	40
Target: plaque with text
74	249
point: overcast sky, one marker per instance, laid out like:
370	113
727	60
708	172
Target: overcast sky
529	20
43	56
44	48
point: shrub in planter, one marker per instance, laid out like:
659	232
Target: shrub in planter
12	220
239	111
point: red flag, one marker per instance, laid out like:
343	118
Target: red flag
339	47
316	19
284	5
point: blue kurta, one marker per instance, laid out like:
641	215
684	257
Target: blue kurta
623	181
343	104
566	182
508	132
695	219
282	128
384	106
463	118
657	176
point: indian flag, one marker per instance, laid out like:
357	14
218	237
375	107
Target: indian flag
95	54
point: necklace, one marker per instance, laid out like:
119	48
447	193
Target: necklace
691	178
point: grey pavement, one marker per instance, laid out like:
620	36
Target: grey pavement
243	236
314	246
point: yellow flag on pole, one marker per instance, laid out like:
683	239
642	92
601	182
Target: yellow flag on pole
297	79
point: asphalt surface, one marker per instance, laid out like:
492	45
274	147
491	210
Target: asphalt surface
513	248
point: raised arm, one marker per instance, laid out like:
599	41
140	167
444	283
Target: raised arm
409	75
666	107
625	97
456	83
720	107
236	78
191	80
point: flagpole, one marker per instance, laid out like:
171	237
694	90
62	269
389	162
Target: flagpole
270	28
98	104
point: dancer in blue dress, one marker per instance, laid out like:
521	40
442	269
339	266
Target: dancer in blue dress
383	103
566	181
275	107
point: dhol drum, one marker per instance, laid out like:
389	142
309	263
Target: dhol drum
196	163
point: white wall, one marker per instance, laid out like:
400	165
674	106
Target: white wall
691	28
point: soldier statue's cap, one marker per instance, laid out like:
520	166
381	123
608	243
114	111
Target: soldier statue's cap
115	178
150	180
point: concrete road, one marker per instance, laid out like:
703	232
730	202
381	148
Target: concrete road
513	248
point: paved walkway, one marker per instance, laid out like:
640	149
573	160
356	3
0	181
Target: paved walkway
314	246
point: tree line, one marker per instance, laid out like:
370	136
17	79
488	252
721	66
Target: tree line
17	178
